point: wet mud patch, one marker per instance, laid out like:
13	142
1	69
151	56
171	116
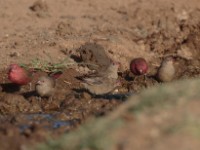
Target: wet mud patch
31	119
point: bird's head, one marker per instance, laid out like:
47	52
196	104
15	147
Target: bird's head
41	81
117	64
118	83
45	81
139	66
13	67
168	61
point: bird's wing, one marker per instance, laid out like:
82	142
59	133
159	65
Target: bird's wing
91	81
55	75
90	75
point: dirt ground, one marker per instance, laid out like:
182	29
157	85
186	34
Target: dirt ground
156	119
53	31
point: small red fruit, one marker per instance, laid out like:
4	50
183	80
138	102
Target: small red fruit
138	66
18	75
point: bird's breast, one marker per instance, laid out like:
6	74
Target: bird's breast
18	78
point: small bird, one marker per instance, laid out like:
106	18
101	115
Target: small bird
167	70
100	85
45	86
111	71
18	75
139	66
94	56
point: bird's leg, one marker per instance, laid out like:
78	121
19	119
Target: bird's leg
145	78
50	99
135	78
30	86
39	99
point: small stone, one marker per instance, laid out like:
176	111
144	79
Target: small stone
86	95
14	54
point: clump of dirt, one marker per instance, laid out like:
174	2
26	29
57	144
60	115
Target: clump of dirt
13	103
40	8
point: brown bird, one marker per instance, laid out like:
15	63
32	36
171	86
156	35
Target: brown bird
100	85
167	70
94	56
45	86
110	72
139	66
18	75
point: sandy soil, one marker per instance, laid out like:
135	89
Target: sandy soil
52	31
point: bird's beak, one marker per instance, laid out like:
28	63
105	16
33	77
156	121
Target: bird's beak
38	82
118	83
118	64
8	69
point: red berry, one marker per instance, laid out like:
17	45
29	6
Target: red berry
138	66
18	75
